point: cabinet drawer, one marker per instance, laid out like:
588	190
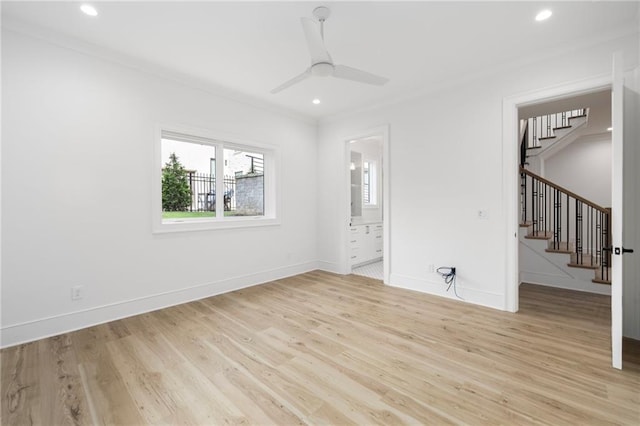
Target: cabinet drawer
354	255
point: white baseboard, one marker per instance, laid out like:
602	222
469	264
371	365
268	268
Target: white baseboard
336	268
29	331
568	283
438	288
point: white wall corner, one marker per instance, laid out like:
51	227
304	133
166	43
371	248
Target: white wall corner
333	267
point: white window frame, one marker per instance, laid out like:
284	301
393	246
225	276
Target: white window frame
373	184
221	142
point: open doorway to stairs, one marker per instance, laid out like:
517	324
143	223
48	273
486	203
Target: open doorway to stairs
368	210
564	209
565	193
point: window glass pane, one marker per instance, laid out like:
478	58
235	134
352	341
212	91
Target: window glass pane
243	183
366	188
188	180
370	183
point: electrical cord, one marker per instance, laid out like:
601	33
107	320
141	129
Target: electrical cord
448	273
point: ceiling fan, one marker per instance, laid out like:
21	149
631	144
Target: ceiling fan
321	63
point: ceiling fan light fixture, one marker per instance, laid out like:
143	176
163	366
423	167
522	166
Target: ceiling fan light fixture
322	69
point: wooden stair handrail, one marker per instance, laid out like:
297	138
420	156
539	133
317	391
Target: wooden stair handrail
566	191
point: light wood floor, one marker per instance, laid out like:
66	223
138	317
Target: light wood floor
325	349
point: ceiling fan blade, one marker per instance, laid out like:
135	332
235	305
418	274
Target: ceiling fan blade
314	41
294	80
348	73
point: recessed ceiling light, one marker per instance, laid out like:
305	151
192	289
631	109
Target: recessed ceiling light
87	9
609	129
316	101
543	15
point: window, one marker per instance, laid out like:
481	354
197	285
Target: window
197	192
369	184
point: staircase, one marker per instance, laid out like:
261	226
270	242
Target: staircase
570	225
547	129
546	135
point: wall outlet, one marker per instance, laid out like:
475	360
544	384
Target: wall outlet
77	292
431	268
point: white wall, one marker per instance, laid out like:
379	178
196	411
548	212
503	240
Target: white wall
78	137
584	167
445	165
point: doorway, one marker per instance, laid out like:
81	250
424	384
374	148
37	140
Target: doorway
565	193
367	244
511	180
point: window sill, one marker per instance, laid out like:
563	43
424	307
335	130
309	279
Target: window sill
198	225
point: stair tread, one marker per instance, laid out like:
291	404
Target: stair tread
597	281
577	116
559	251
562	127
542	235
547	137
583	266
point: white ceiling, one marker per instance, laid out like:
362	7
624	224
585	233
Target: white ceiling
248	48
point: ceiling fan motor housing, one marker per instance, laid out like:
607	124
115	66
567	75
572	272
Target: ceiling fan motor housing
322	69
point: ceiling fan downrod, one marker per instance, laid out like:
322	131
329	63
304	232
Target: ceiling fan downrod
321	13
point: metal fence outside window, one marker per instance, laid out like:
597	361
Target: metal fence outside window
203	192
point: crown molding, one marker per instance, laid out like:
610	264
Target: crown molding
86	48
474	75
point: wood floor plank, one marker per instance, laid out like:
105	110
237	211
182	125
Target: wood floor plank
321	348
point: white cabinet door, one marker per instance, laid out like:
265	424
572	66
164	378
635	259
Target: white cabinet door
355	245
365	243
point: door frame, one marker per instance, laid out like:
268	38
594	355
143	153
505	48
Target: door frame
511	163
383	133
